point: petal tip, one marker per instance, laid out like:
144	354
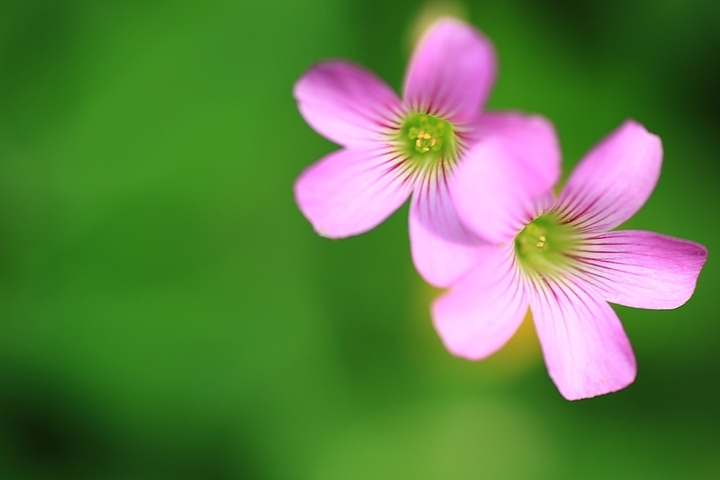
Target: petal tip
634	128
448	21
596	387
455	340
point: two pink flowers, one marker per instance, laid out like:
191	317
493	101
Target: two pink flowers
484	220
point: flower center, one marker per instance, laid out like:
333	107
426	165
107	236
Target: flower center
546	245
426	140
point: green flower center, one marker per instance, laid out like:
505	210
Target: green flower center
546	245
427	140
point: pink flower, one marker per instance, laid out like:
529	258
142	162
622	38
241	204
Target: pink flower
559	257
393	147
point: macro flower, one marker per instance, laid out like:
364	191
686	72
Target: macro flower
559	257
393	148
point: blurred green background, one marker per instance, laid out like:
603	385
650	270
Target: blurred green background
167	313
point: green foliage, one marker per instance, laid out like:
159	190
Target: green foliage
166	312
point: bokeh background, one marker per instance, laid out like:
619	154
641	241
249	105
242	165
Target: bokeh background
167	313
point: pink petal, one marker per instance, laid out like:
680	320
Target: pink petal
496	195
643	269
531	140
346	103
351	191
586	350
614	180
442	248
451	71
485	308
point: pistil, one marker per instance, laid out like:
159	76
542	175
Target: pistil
545	246
427	141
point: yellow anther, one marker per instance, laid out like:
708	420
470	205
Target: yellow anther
426	138
546	245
